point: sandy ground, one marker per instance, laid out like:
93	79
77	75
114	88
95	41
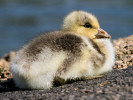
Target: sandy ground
115	85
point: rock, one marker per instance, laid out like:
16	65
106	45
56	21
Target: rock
4	63
124	52
4	66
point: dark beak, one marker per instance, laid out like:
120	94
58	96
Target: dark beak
102	34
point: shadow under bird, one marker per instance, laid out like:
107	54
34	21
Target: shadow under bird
80	49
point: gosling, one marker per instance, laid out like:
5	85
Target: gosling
80	49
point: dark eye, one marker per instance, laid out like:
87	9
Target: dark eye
87	25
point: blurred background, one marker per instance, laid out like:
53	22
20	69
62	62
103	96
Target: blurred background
21	20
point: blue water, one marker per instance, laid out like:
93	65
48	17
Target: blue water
21	20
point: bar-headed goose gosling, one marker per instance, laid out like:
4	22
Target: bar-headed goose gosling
80	49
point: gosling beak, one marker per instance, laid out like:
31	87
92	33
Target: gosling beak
102	34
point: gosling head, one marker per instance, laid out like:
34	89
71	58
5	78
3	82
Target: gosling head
84	23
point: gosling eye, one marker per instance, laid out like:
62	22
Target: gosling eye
87	25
